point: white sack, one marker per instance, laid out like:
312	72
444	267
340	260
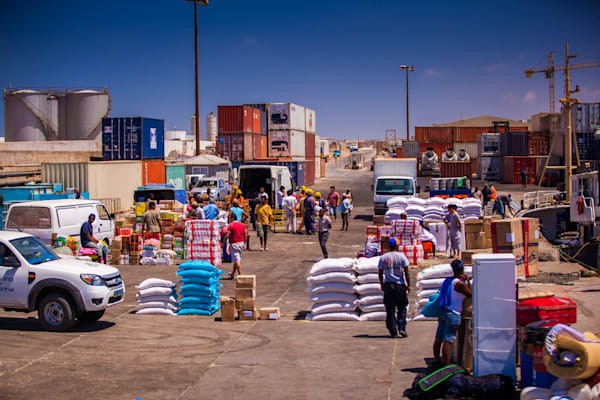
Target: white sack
332	287
372	308
373	316
332	265
152	282
157	304
331	277
368	278
169	299
333	297
430	283
332	307
339	316
155	291
367	289
156	311
371	299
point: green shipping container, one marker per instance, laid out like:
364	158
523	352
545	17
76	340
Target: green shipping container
176	176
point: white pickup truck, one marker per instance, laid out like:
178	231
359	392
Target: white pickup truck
33	277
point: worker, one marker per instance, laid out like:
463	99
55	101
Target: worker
240	198
478	195
290	205
452	293
486	192
151	224
211	211
454	226
333	200
236	234
324	227
264	215
300	208
320	201
89	241
262	193
229	198
523	178
280	195
492	192
395	285
240	214
309	213
345	211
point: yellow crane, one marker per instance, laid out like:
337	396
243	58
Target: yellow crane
549	73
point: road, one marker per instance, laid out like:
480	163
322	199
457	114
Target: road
128	356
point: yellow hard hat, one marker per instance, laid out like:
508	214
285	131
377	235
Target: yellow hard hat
238	191
234	187
309	192
318	194
303	187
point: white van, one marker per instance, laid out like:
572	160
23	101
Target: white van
63	217
252	177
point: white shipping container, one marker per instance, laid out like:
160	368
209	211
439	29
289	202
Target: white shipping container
317	146
279	143
410	148
287	116
470	148
325	147
310	124
298	143
317	167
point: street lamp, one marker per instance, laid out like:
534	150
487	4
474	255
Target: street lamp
204	3
407	68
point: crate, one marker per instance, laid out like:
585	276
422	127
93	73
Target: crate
556	309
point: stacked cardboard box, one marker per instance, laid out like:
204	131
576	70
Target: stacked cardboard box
269	313
116	247
135	248
245	297
474	235
519	236
227	309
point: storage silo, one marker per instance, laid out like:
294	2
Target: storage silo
211	127
29	115
83	113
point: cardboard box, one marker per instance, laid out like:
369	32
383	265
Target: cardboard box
248	315
167	230
372	231
467	255
245	304
245	281
507	235
166	222
227	309
270	313
384	244
117	244
245	293
378	220
474	235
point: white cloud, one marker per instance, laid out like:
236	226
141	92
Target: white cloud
529	97
429	72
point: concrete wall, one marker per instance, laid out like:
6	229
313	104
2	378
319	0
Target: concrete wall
23	153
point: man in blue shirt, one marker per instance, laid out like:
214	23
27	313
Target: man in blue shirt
211	211
395	284
240	214
88	240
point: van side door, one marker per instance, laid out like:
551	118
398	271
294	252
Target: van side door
13	278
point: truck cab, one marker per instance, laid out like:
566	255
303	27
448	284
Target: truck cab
386	187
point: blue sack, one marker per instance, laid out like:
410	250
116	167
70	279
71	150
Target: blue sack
195	300
199	273
432	308
195	311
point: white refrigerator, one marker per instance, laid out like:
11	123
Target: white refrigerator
494	315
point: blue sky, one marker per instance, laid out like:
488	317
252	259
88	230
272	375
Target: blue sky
340	58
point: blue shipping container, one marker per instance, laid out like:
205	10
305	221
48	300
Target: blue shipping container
296	168
133	139
515	143
588	146
585	115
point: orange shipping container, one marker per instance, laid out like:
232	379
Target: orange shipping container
323	164
469	134
256	125
260	147
434	134
153	172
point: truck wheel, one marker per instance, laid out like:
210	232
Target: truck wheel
56	313
90	316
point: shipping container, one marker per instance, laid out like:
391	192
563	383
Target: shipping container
153	172
438	148
588	146
584	115
317	146
434	134
538	143
310	123
264	115
324	166
489	144
235	119
297	168
455	169
470	133
411	149
324	148
256	121
285	116
473	167
469	147
550	122
279	143
309	147
317	167
235	146
260	147
98	178
512	166
175	174
515	144
133	139
309	172
298	141
488	168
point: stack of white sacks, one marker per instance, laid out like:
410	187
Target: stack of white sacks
434	208
331	290
429	281
368	289
156	296
396	207
415	208
204	240
471	209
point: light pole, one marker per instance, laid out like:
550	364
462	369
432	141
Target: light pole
204	3
407	68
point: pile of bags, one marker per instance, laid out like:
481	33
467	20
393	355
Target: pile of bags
156	296
204	240
151	254
200	288
368	289
415	209
434	208
429	281
331	290
471	208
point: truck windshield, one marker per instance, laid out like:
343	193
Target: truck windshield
33	250
153	195
398	187
207	183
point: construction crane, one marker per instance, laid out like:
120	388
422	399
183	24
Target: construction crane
549	73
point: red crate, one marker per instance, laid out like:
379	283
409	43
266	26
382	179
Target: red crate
557	309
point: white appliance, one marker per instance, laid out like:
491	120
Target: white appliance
494	315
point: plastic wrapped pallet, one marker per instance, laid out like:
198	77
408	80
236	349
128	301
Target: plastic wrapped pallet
200	288
156	296
331	290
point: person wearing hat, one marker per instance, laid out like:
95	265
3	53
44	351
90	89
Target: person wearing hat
264	216
309	212
89	241
452	293
324	227
395	284
454	225
345	211
320	201
229	198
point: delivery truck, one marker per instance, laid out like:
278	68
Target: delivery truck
393	177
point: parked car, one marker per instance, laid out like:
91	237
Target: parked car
219	189
62	290
63	217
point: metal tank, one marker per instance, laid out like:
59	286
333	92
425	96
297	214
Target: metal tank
463	156
83	113
211	127
29	115
449	155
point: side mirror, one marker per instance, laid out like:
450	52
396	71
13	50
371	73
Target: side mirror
11	261
418	189
112	215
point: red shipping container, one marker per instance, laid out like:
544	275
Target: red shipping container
323	164
438	148
235	146
470	133
309	146
235	119
539	143
455	169
153	172
309	171
398	152
434	134
256	126
512	166
260	147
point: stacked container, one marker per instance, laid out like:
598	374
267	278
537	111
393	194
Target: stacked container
135	138
488	162
515	143
538	143
237	126
584	116
512	166
287	127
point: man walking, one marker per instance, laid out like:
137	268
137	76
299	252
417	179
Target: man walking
324	226
264	215
309	213
523	178
88	240
211	211
395	284
333	201
290	204
236	233
151	225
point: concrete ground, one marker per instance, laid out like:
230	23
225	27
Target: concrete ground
128	356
